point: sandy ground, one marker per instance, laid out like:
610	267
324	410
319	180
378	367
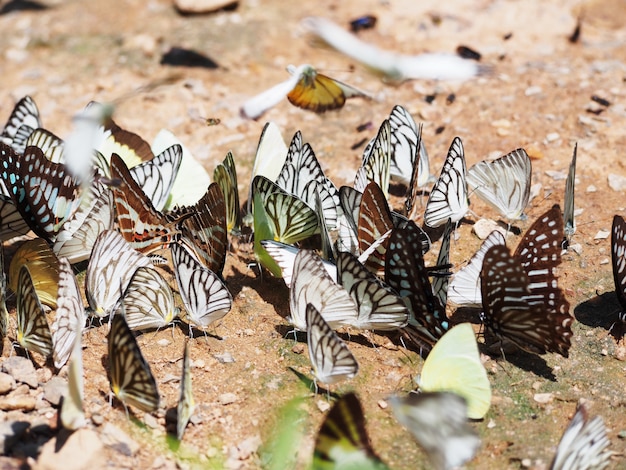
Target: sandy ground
538	97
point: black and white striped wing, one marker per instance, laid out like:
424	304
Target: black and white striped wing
583	445
448	198
330	358
312	284
156	177
24	119
568	207
407	147
618	258
111	266
503	183
130	376
376	161
379	307
464	288
70	315
186	403
148	300
205	297
33	331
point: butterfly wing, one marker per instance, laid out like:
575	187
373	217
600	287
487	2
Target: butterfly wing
374	221
70	315
225	175
454	365
568	208
618	257
33	332
583	445
148	300
316	92
72	414
23	120
504	183
330	358
111	266
205	297
186	402
379	307
438	421
342	441
376	161
448	198
130	376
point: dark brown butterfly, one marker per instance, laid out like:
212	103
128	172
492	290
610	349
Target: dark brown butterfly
521	298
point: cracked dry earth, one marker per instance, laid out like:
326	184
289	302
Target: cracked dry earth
539	98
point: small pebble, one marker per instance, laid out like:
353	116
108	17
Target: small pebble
591	188
19	402
532	90
543	398
225	358
227	398
6	383
54	389
602	235
323	405
97	419
151	421
382	404
617	182
298	348
553	136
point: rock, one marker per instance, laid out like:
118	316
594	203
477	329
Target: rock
43	375
203	6
150	421
602	235
11	432
22	370
115	438
543	398
224	358
483	227
17	402
227	398
7	382
617	182
54	390
82	450
532	90
248	447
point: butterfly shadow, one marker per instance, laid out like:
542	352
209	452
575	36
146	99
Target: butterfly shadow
601	311
22	5
313	386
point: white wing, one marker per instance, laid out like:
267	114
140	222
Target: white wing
70	315
312	284
464	288
439	423
448	198
376	161
256	106
503	183
407	145
156	177
583	445
148	301
204	295
72	414
111	266
23	121
331	359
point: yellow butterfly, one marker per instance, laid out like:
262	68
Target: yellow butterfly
454	365
317	92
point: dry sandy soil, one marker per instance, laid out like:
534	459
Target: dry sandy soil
538	97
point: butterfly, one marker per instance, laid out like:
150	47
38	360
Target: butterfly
376	162
113	139
503	183
12	224
618	258
568	209
521	299
52	194
33	331
342	441
205	297
438	421
453	365
397	67
225	175
156	177
24	119
408	150
51	145
203	228
331	360
285	256
130	376
191	178
72	414
313	284
464	288
583	445
70	315
406	273
379	308
279	216
148	300
144	227
303	177
186	402
43	267
448	198
111	266
96	214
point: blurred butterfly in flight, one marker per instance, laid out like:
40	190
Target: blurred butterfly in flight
306	89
